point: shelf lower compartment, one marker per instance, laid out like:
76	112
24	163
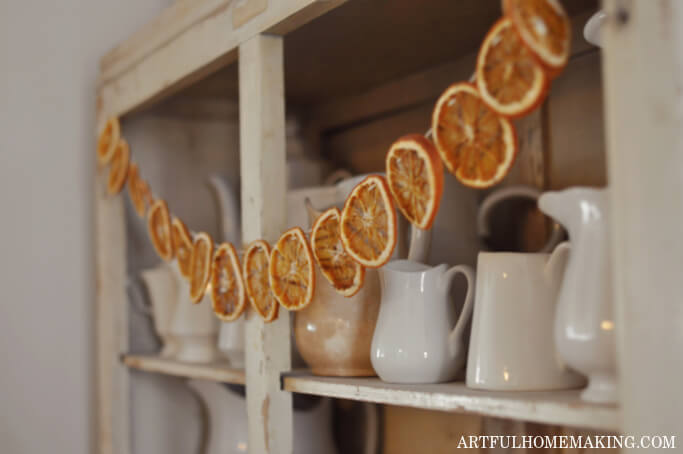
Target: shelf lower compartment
217	371
547	407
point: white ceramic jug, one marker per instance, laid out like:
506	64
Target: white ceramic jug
160	300
231	336
584	324
227	415
417	339
194	325
511	345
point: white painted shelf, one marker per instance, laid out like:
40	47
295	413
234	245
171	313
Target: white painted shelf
556	407
218	371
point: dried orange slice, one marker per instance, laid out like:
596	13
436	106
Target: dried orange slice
415	177
200	265
182	244
257	282
343	273
118	172
544	28
291	273
510	79
159	227
139	192
476	144
368	223
228	298
109	138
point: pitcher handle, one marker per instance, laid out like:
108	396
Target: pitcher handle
455	336
499	195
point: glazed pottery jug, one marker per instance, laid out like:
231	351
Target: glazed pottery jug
231	335
333	333
194	325
584	323
511	345
158	298
418	337
227	420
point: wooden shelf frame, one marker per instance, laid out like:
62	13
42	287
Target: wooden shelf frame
548	407
196	37
216	371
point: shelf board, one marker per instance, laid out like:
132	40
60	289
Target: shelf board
217	371
556	407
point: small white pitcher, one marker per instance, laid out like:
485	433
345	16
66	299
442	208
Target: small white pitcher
417	339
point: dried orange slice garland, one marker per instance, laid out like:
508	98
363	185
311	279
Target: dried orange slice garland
159	227
107	141
341	271
292	277
200	266
544	27
257	281
415	177
509	78
118	171
476	144
182	244
139	192
228	298
368	223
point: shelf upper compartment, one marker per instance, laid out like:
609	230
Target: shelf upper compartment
333	48
218	371
548	407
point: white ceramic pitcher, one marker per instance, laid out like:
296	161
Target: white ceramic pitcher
511	346
160	300
418	337
231	335
227	418
584	323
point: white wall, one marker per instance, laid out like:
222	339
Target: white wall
49	54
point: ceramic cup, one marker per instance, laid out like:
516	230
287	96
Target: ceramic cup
159	299
418	337
511	344
194	325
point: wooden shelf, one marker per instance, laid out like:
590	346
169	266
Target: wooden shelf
557	407
218	371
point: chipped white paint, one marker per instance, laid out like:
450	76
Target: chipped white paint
643	78
557	407
262	161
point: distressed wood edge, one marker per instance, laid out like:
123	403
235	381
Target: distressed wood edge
219	372
561	408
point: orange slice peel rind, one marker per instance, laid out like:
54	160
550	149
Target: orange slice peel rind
336	265
200	266
257	281
107	141
182	244
415	178
159	228
118	170
545	29
510	79
476	144
228	298
291	271
368	223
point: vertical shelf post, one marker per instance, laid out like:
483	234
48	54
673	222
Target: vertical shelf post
264	188
643	76
111	321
